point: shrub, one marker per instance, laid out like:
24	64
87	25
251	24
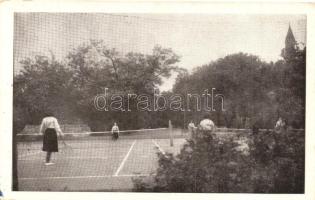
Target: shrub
205	164
279	161
274	164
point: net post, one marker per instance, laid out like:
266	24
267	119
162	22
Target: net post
15	179
170	127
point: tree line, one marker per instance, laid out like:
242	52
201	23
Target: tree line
68	87
255	92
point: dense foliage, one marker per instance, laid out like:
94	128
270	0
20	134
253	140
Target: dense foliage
273	163
68	88
255	92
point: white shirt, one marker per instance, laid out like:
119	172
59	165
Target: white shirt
191	126
280	124
207	125
115	129
49	122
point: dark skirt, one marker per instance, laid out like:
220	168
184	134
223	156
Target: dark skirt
115	135
50	141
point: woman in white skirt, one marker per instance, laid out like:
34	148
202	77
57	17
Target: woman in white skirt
49	128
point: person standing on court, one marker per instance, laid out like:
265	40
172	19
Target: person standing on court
280	125
49	128
280	140
115	131
191	129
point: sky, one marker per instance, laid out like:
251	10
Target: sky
197	39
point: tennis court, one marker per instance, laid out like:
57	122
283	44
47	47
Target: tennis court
94	163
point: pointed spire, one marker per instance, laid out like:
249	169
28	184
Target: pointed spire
290	41
290	45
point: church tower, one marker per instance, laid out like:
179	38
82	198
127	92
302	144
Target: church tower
290	44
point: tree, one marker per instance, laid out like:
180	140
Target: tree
42	85
69	87
243	81
291	96
95	67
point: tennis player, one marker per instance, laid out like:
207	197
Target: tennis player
191	129
49	128
115	131
280	125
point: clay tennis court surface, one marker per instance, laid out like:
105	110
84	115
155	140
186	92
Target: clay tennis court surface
91	165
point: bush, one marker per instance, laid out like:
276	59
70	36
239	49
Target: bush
279	161
205	164
274	164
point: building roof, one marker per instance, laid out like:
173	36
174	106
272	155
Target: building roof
290	40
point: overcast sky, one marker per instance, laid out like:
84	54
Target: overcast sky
198	39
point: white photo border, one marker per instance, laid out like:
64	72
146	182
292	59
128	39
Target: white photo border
7	10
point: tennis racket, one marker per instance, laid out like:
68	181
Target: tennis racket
66	147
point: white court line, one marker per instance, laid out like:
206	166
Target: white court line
78	177
158	146
71	157
125	159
